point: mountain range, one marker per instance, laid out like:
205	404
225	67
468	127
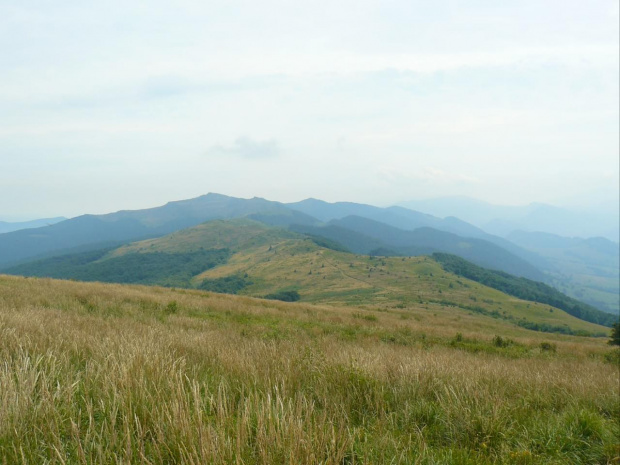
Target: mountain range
581	268
91	232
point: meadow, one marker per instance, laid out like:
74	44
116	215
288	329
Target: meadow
105	373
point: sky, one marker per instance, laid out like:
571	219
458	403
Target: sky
125	105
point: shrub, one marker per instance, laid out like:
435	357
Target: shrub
615	335
499	341
548	347
613	356
226	285
172	307
284	296
523	288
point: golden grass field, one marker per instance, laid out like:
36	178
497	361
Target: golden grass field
100	373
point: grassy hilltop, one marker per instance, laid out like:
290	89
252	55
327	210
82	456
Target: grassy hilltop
247	257
100	373
272	260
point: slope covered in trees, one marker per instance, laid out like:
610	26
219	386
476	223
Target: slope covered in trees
161	268
524	289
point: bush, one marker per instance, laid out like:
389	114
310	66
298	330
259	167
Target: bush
284	296
226	285
615	335
159	268
172	307
613	356
548	347
499	341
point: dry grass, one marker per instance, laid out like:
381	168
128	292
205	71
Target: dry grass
94	373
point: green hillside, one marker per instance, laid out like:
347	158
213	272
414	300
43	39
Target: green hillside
247	257
326	276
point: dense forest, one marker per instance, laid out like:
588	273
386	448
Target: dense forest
164	269
524	288
226	285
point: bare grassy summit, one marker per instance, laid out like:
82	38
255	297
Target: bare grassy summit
101	373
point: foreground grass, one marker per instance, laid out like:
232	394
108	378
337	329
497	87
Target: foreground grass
95	373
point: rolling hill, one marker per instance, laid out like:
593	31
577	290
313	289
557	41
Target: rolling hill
524	288
366	236
584	268
94	232
254	259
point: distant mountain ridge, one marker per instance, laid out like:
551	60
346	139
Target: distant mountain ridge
570	272
127	225
577	249
90	232
409	220
9	226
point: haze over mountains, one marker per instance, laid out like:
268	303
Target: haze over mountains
535	217
586	269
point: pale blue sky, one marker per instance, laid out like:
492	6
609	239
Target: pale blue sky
120	105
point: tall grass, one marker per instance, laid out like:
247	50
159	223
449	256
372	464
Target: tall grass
94	373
